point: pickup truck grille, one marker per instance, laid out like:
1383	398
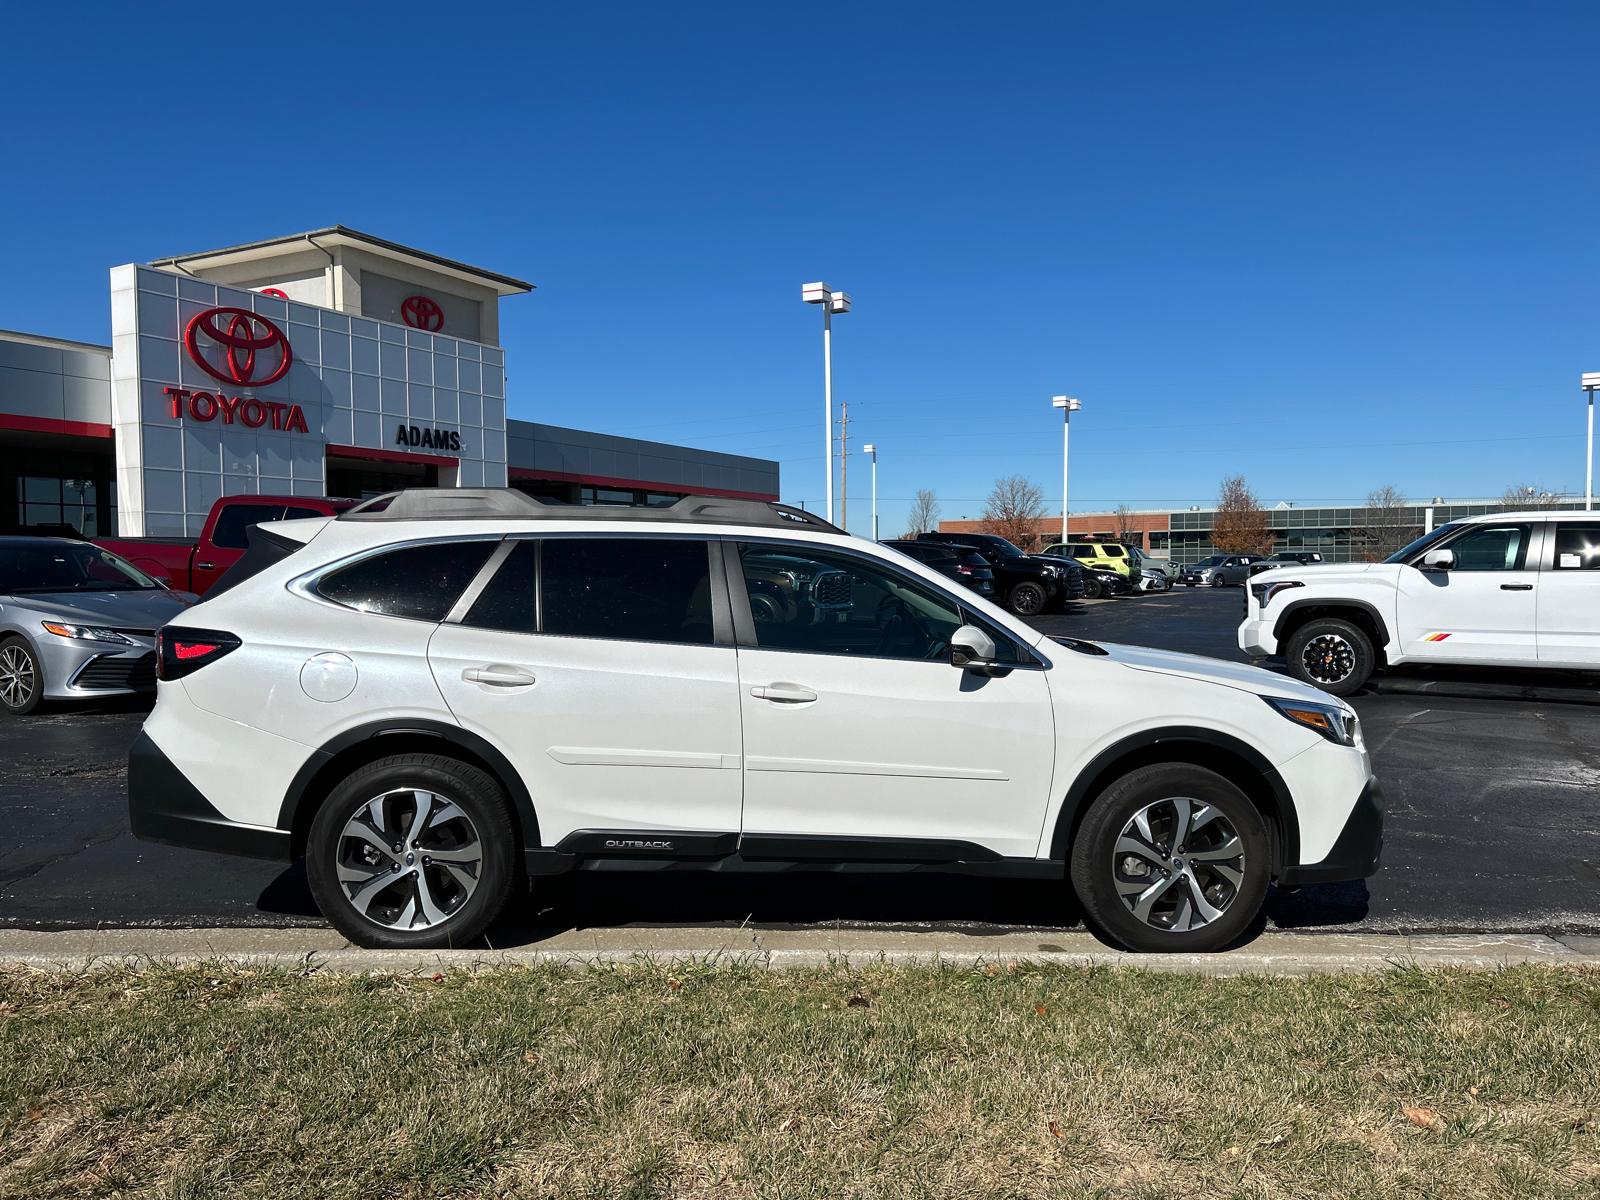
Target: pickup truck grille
109	672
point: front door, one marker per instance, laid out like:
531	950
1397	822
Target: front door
857	726
593	664
1483	609
1569	596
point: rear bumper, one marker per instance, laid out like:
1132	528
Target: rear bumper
163	806
1356	853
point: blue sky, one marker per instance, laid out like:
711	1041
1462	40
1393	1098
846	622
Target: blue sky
1328	246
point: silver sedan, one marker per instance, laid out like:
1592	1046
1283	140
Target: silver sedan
76	622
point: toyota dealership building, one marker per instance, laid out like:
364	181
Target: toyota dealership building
327	363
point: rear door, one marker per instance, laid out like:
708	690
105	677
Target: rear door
1569	595
857	727
1483	609
604	669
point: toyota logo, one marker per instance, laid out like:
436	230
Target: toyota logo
419	312
247	332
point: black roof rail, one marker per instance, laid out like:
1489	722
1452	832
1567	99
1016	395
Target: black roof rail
482	504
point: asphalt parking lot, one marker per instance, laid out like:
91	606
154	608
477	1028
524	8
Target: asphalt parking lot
1492	778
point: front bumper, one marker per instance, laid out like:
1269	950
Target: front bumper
79	669
1359	846
163	806
1256	638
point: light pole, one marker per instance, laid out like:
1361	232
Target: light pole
1591	380
1068	406
832	302
873	450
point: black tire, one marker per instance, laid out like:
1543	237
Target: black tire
1236	886
463	910
1091	588
21	677
1027	599
1219	580
1330	654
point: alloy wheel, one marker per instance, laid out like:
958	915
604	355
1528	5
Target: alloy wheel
409	859
1328	658
1027	599
1178	864
17	676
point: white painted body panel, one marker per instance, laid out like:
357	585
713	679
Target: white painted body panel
1485	622
896	748
1569	618
613	734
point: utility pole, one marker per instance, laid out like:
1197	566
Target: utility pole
844	466
831	302
1591	381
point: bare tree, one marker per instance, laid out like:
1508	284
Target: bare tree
1387	523
924	514
1013	510
1241	525
1128	530
1525	497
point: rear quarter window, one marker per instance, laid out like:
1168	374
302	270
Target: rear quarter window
420	582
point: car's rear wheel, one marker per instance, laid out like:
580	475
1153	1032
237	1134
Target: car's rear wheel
21	678
1172	858
1027	599
1330	654
415	851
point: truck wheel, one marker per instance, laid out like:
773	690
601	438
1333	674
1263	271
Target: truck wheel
1330	654
21	679
1172	858
412	852
1027	599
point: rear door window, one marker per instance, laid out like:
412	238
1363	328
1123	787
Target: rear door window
1577	547
421	582
634	589
234	518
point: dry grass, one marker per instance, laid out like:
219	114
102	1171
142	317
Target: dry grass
728	1082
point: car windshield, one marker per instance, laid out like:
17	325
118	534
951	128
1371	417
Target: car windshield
67	567
1422	543
1213	561
1003	548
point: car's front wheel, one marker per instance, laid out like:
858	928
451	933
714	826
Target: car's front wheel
21	678
1330	654
414	851
1091	588
1219	580
1028	599
1172	858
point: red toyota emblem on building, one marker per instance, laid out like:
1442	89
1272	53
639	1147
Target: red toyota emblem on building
278	292
246	335
421	313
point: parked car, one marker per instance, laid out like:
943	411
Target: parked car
1091	556
1102	583
1220	570
428	700
961	563
194	564
1028	584
76	623
1294	558
1504	589
1153	579
1146	562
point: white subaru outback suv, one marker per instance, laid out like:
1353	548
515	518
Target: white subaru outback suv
1503	589
446	691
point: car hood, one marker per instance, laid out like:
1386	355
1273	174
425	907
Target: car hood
125	610
1214	670
1323	572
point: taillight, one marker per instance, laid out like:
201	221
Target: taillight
964	570
181	651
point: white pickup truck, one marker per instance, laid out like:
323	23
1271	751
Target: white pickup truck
1506	589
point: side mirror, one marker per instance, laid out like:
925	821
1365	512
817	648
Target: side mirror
1438	560
971	649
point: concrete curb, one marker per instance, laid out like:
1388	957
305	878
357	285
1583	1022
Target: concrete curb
1279	954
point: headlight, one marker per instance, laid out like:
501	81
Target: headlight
1264	592
87	633
1333	721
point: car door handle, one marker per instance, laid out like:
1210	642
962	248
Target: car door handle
499	676
791	692
204	567
1516	587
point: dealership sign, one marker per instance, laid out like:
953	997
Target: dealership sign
254	353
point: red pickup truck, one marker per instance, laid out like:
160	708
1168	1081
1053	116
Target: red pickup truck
194	564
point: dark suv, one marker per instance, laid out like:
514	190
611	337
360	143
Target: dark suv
967	567
1027	584
1286	558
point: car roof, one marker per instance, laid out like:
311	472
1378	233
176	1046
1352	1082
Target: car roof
24	539
502	504
1540	514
